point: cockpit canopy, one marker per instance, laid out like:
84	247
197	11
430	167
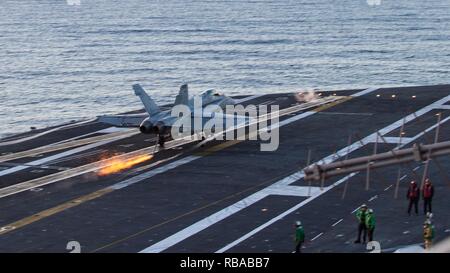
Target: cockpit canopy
211	92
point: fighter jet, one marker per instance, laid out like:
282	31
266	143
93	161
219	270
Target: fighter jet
160	122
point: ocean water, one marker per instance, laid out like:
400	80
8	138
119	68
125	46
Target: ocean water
61	62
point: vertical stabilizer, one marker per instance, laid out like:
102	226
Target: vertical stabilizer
149	104
183	95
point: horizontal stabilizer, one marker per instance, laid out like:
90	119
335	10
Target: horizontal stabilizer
123	121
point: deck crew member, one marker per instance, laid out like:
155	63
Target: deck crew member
413	195
361	216
370	224
299	236
427	195
428	234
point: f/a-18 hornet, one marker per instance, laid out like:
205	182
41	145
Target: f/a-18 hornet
161	122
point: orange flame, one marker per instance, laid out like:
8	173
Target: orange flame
117	165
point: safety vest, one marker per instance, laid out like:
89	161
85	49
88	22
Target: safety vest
361	215
428	232
427	191
413	191
370	221
299	234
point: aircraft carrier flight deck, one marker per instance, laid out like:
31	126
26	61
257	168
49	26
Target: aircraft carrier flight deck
113	190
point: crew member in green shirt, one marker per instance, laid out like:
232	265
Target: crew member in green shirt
299	236
370	224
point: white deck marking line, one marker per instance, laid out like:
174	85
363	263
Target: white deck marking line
11	142
364	92
348	114
68	140
419	246
267	102
444	107
373	198
301	191
50	158
403	177
78	156
66	145
394	140
353	211
248	98
107	131
415	169
317	236
336	223
112	129
390	186
127	145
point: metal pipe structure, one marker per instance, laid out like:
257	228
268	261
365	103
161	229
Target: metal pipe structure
418	153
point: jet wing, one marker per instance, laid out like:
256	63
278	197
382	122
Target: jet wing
123	120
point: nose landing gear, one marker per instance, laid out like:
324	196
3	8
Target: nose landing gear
161	140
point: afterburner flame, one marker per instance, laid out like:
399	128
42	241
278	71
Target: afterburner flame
117	165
